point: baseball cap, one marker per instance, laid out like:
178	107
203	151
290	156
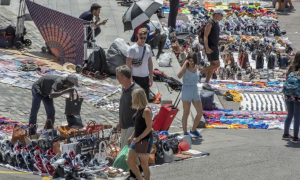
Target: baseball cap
219	11
73	79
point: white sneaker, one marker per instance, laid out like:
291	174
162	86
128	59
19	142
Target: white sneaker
206	86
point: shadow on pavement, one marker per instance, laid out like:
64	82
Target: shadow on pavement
292	145
196	141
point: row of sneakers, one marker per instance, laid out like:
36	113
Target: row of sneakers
34	159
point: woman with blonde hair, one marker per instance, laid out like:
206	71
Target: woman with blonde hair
141	138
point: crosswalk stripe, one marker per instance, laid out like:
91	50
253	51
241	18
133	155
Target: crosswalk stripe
46	178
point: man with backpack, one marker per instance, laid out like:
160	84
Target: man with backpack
210	40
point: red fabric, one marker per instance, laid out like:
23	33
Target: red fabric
181	4
183	146
162	137
137	32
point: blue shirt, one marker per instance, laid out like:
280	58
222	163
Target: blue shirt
149	37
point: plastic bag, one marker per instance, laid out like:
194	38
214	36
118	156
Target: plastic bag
164	59
121	160
116	55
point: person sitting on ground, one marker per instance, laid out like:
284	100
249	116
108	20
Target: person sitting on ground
190	94
89	15
154	40
45	89
142	131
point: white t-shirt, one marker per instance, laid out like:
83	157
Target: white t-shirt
136	52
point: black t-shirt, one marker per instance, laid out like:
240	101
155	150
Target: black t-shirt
213	37
87	15
46	83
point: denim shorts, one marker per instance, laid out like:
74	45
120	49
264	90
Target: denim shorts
190	93
132	147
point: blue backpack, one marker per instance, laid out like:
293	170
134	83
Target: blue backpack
291	87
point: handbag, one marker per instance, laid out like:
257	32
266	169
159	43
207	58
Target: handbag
121	159
74	121
65	131
49	132
85	146
73	106
19	134
138	62
141	146
159	154
168	153
56	143
31	139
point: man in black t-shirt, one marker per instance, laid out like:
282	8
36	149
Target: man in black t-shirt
89	15
211	45
45	89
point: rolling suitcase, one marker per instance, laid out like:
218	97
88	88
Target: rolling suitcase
166	115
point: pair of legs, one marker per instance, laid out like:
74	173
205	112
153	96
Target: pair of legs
209	70
186	112
293	112
158	41
143	82
281	5
36	103
125	135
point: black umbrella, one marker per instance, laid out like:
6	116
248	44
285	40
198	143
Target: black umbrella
140	12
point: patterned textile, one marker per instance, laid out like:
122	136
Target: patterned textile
63	34
263	102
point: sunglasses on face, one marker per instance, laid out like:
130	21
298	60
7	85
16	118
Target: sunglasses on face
143	38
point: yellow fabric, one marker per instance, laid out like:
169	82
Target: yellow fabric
237	97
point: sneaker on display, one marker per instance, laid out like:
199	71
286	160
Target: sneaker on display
29	161
49	168
39	169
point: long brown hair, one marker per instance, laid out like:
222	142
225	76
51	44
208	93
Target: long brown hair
193	56
295	66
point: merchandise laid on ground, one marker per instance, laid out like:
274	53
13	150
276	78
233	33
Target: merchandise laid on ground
229	119
91	152
254	57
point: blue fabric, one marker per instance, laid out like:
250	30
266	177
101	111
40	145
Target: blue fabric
190	92
164	133
36	103
149	37
225	110
293	112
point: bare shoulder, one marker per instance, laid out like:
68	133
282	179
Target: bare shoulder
147	111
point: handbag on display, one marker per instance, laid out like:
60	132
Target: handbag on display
74	121
96	127
18	134
65	131
49	132
56	143
86	146
31	139
73	106
168	153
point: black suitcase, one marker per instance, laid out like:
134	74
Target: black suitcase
260	61
6	41
97	62
271	62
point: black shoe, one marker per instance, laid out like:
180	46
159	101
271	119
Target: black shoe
72	175
87	176
59	172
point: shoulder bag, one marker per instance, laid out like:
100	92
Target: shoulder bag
139	62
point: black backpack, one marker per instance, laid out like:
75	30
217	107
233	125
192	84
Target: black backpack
201	32
97	62
174	84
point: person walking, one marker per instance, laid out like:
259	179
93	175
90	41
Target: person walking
190	93
292	99
45	89
139	62
142	131
211	45
174	5
126	124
